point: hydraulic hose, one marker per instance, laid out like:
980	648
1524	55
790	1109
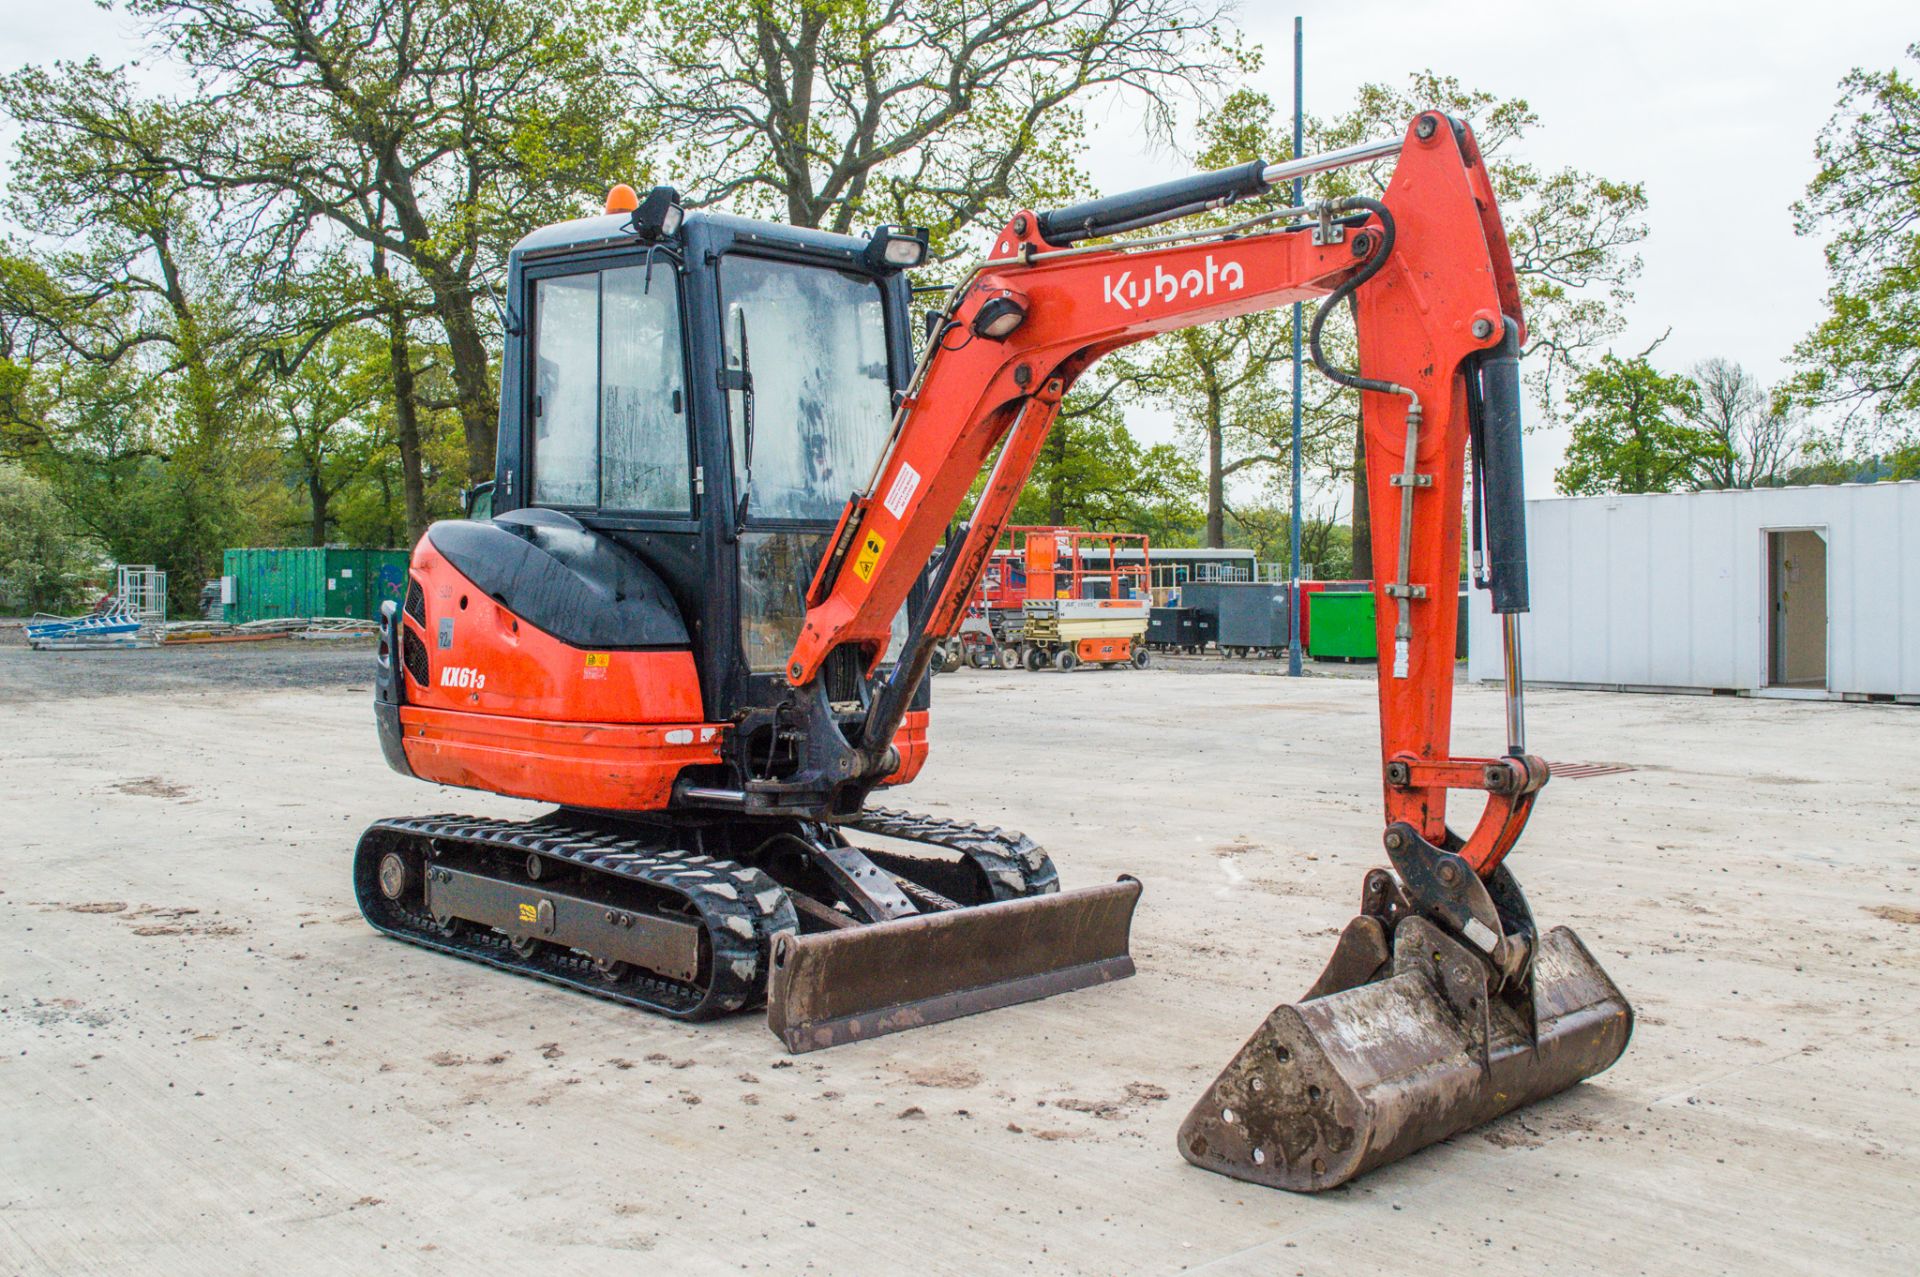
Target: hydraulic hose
1368	269
1401	590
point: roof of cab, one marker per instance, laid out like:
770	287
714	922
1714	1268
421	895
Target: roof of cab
607	229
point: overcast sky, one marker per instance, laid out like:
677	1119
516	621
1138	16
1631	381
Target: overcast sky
1713	105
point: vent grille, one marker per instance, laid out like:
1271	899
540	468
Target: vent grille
414	653
416	601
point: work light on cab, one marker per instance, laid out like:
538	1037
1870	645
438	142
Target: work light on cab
659	215
897	248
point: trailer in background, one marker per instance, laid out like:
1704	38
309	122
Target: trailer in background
1248	618
1056	596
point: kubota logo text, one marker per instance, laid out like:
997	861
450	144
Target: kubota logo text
464	676
1126	292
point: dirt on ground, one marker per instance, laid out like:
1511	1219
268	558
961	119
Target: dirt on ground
188	671
209	1063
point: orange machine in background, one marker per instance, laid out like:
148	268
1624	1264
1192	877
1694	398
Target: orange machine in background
1060	597
1075	615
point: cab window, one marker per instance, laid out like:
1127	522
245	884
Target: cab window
811	342
609	396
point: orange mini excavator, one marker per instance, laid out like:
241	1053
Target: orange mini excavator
718	556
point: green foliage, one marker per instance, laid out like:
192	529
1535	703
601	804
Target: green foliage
1326	545
254	310
435	132
1631	431
1092	473
842	113
1574	235
1864	357
46	563
135	322
330	440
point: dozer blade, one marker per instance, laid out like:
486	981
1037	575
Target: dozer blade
1332	1087
842	986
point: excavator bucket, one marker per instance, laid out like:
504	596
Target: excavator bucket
1399	1046
844	985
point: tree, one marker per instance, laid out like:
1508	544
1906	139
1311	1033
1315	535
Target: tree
1326	545
322	407
1755	439
403	384
1631	431
436	131
1864	357
1093	473
132	300
1223	380
925	112
44	559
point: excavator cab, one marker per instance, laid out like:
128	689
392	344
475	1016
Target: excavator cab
706	403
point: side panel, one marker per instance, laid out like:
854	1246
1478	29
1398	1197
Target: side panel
606	766
482	659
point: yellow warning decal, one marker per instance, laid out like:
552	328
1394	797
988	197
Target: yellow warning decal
869	555
599	660
529	914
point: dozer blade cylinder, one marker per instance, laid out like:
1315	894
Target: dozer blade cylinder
860	982
1331	1088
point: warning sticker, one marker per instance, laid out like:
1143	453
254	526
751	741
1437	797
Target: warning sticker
869	555
905	484
597	663
529	913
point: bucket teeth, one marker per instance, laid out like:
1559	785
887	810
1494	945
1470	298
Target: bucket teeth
1331	1087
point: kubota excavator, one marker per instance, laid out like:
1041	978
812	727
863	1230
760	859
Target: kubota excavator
700	616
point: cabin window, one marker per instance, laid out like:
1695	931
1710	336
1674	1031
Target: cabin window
609	396
806	360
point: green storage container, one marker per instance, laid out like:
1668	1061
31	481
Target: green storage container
1343	627
311	581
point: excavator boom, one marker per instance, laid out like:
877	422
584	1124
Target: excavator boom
1443	1006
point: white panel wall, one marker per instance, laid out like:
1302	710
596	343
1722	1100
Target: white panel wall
1670	590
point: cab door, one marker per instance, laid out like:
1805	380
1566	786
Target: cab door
809	406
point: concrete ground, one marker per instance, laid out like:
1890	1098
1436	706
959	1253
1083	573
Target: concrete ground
208	1062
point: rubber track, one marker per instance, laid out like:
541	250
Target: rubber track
1014	864
740	909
